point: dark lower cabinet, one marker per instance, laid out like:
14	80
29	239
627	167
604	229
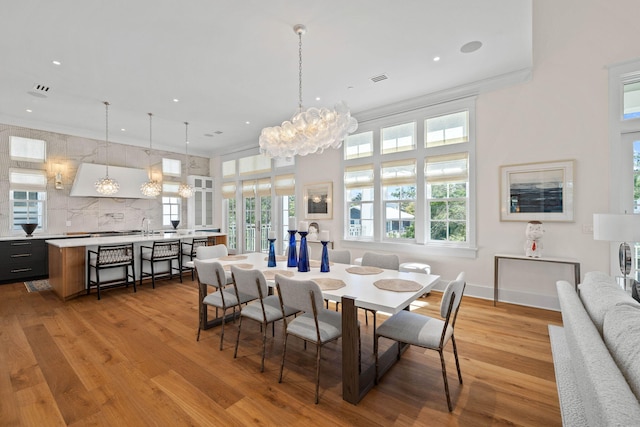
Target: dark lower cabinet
23	259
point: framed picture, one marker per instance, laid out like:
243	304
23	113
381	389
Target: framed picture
318	201
537	191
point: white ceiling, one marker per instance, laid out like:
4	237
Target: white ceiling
229	62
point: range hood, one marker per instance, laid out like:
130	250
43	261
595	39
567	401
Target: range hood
130	180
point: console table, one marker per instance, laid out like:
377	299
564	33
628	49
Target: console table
569	261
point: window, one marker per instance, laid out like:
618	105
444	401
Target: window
229	201
27	149
631	100
27	196
170	209
285	187
399	198
171	167
358	181
406	179
447	182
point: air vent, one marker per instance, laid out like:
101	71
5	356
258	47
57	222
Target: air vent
39	91
379	78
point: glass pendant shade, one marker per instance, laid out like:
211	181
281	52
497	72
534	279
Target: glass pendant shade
310	131
150	188
185	190
107	186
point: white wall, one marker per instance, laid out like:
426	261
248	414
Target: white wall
561	113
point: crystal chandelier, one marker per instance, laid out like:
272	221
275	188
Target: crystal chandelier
106	185
310	131
150	188
185	190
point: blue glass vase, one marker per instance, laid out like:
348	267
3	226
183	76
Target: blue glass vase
293	259
324	263
303	260
272	254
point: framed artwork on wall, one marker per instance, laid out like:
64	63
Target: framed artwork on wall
537	191
318	201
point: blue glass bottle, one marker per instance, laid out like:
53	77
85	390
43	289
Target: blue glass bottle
272	254
303	261
293	259
324	263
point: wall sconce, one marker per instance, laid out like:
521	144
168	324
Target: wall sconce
58	177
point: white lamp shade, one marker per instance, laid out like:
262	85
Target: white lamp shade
616	227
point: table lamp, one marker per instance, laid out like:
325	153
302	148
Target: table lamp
618	228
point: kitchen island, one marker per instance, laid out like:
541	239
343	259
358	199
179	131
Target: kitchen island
67	257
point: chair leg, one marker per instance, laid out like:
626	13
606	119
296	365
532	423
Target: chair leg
284	351
446	383
133	276
375	354
222	330
153	275
264	345
198	337
318	347
98	281
455	354
235	353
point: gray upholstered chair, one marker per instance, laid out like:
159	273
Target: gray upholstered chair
316	325
208	252
212	273
264	308
386	261
189	251
340	256
427	332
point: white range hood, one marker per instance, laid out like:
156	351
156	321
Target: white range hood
130	180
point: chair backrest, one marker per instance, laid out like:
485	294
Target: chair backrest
198	242
210	273
386	261
249	282
115	254
340	256
299	294
452	293
208	252
166	248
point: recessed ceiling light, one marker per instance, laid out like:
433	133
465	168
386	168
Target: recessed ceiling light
56	62
248	122
471	46
350	87
29	110
317	98
436	58
176	100
123	129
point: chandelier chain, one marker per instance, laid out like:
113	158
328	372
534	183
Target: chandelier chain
106	115
300	70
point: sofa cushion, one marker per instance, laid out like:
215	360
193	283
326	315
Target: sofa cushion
622	336
599	293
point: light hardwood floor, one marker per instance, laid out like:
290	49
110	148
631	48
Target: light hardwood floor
132	359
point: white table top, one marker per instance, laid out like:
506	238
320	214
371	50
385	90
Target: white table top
358	286
135	238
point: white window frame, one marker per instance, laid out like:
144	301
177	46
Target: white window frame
169	167
466	249
18	142
36	185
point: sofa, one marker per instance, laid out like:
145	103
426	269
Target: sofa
596	353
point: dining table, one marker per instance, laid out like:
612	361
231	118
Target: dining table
353	286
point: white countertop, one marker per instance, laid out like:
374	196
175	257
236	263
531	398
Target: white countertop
135	238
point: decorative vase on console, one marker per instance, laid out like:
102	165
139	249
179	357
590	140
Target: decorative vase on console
292	261
533	245
272	250
303	260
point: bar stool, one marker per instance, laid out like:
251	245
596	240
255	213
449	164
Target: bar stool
189	250
163	251
111	256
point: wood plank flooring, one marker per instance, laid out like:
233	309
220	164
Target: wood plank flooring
132	359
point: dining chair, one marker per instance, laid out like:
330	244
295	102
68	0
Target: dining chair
340	256
161	251
214	251
212	273
386	261
263	308
316	325
189	251
427	332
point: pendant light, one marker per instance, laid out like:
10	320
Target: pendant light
152	187
106	185
185	190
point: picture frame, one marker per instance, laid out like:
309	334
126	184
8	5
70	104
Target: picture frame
537	191
318	200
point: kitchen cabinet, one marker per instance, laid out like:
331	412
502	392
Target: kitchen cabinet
200	205
23	259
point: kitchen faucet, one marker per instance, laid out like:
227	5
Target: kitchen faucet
145	230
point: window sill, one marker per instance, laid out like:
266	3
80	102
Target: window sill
410	248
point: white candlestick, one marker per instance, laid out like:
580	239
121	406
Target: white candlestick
303	226
272	234
324	236
292	223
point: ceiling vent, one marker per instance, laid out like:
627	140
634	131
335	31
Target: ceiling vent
379	78
39	91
